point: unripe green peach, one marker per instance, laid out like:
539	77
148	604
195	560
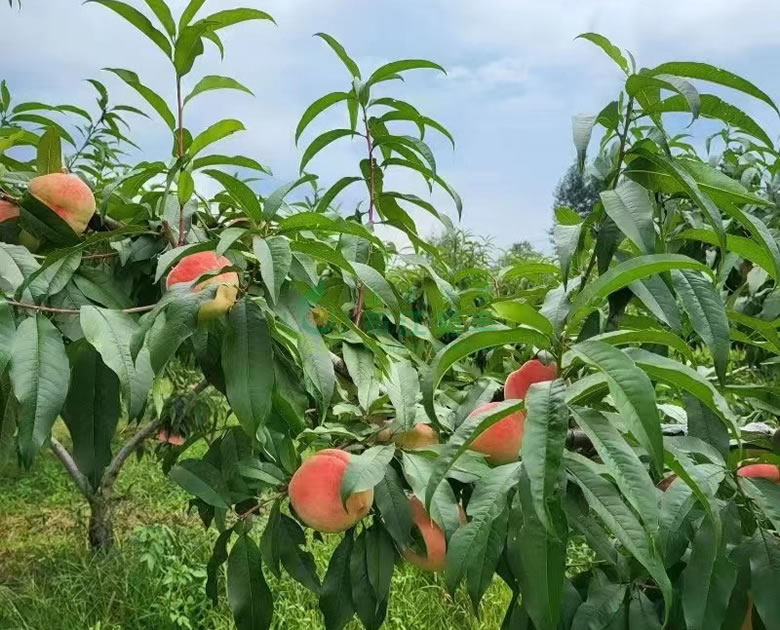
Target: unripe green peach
67	195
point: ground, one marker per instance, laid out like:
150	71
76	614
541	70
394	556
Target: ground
154	579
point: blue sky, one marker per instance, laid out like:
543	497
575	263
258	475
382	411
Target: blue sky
515	78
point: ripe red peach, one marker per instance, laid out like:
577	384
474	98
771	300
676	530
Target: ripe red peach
8	210
315	493
500	442
435	557
534	371
760	471
191	267
67	195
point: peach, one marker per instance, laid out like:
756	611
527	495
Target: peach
435	557
67	195
169	437
500	442
534	371
418	437
8	210
761	471
315	493
191	267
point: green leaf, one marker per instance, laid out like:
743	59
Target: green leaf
49	156
39	376
380	561
247	354
215	132
322	252
706	72
707	580
199	478
314	221
716	185
370	609
766	495
413	143
327	199
521	312
760	233
468	343
638	85
647	336
341	53
91	411
701	300
193	6
566	238
395	67
394	507
219	556
464	435
703	423
163	13
360	365
381	288
658	299
403	387
629	271
608	47
150	96
316	108
275	259
745	247
140	21
629	207
689	185
606	502
110	332
525	269
632	392
765	576
298	562
320	142
226	160
622	463
7	332
215	82
38	218
544	438
714	107
366	470
679	375
229	17
242	193
336	597
248	594
599	611
581	131
275	199
538	560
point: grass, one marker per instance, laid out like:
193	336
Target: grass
155	577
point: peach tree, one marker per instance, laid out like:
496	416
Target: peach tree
622	400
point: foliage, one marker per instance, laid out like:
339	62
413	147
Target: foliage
577	190
335	337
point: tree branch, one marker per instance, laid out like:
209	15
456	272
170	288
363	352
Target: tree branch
72	311
70	466
111	472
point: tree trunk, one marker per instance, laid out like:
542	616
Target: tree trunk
101	529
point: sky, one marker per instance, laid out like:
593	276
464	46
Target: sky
515	76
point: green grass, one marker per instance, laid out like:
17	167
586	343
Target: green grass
154	579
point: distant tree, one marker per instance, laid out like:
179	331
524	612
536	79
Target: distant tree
518	252
578	191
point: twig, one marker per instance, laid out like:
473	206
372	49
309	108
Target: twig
110	475
169	234
70	466
73	311
370	145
